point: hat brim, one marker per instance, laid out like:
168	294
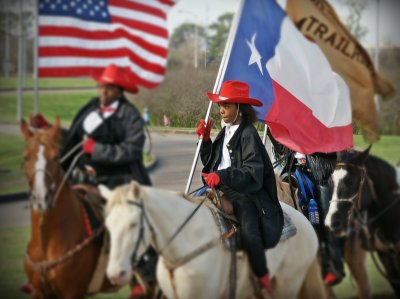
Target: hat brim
126	87
215	98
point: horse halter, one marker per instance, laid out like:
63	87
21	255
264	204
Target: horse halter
356	198
143	219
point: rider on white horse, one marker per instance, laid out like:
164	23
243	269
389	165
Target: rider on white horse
237	164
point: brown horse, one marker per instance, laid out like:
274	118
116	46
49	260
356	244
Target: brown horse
61	257
354	255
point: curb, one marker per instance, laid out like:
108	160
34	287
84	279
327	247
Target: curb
13	197
171	131
23	196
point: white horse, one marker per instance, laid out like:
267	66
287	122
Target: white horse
138	216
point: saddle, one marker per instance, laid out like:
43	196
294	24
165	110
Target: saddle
228	224
222	202
92	207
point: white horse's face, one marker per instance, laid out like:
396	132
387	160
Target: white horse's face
345	187
123	224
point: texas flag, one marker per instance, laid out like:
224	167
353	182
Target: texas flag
306	105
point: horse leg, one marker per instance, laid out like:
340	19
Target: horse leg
392	267
313	286
355	257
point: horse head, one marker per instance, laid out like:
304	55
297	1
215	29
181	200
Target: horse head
348	181
128	227
41	163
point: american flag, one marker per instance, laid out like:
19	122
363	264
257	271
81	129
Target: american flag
82	37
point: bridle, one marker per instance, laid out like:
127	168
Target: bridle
51	197
50	193
170	266
53	193
144	220
356	198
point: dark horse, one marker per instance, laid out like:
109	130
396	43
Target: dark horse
62	256
366	202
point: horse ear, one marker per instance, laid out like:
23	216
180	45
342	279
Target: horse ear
135	189
362	157
25	130
105	192
57	122
368	149
55	128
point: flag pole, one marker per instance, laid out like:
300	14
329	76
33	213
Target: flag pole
217	85
268	144
376	97
35	60
20	60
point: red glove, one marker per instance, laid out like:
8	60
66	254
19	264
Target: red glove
203	130
212	179
38	121
88	146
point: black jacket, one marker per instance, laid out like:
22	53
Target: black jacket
118	152
251	171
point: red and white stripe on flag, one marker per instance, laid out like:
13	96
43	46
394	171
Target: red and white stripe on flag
82	37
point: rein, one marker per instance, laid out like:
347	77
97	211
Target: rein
181	261
356	200
144	218
44	266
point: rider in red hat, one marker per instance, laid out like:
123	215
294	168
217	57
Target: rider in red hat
111	131
237	164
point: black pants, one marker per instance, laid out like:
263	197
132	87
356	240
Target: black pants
247	214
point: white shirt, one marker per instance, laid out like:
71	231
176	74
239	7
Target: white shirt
94	119
226	159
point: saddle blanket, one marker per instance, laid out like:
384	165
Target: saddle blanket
224	225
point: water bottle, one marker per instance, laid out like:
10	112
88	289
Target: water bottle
313	214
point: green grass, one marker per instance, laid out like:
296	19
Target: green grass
15	240
62	104
11	177
388	147
378	285
12	83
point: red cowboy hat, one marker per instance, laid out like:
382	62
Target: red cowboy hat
117	76
234	91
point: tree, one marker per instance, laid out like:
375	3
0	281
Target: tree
184	33
10	17
217	40
353	21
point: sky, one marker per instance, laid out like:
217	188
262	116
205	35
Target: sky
207	11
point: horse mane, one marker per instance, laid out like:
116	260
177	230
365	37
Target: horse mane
119	196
